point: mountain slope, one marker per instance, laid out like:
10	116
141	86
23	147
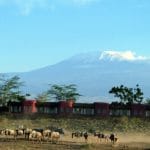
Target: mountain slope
93	74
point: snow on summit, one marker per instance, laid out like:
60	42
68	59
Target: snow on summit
125	55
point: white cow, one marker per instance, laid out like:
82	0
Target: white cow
55	136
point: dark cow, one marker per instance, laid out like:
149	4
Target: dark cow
85	134
101	136
55	129
112	138
80	134
77	134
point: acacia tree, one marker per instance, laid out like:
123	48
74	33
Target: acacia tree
9	89
127	95
64	92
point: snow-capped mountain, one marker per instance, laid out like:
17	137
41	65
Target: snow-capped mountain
122	56
94	73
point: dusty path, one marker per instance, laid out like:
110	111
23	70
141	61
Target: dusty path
126	142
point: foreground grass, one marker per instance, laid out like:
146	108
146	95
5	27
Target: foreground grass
133	133
90	124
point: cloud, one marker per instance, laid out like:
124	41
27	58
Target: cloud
126	55
25	7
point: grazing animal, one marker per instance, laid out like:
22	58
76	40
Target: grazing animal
60	130
19	132
55	136
47	134
101	136
77	134
112	138
80	134
10	132
56	129
85	134
27	132
35	135
2	132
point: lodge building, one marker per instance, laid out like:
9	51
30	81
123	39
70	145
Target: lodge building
65	108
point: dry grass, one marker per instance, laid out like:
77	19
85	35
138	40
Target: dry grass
127	140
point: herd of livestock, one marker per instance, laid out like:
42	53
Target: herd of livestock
48	134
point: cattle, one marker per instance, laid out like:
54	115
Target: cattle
80	134
77	134
47	134
55	129
60	130
113	138
101	136
35	135
55	136
2	132
85	134
19	132
27	132
10	132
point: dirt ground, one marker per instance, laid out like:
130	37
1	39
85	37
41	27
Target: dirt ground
136	141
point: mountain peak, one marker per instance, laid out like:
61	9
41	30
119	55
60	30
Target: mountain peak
121	56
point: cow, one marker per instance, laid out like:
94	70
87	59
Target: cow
10	132
55	136
35	135
47	134
80	134
27	132
113	138
19	132
101	136
77	134
85	134
55	129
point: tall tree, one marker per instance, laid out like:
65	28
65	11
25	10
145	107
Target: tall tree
9	89
71	92
127	95
64	92
138	94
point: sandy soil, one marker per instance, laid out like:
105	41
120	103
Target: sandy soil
136	141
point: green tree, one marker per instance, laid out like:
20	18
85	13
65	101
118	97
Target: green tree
9	89
64	92
138	94
127	95
71	92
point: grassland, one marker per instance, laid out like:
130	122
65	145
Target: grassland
133	133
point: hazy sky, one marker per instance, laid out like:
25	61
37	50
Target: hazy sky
37	33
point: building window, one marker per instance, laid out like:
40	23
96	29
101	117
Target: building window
15	109
27	109
19	108
62	110
148	113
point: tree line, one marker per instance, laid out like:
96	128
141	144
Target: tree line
10	91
